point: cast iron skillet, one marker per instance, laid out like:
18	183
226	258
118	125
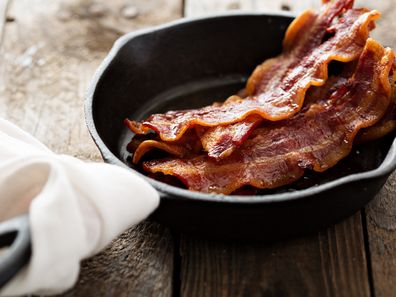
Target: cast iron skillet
191	63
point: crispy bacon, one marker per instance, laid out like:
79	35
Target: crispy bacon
141	144
299	41
386	125
221	141
303	64
148	145
317	138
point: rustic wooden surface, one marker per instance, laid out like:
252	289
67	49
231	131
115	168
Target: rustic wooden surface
138	263
331	263
49	51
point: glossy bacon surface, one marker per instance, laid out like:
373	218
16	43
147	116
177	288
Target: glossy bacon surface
316	138
142	144
386	125
304	34
221	141
304	64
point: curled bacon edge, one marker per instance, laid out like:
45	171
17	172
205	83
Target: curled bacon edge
275	155
364	22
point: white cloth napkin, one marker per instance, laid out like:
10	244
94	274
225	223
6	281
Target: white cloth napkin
75	208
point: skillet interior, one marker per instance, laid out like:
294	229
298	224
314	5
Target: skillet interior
193	63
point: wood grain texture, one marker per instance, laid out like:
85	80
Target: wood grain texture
381	224
331	263
203	7
138	263
49	53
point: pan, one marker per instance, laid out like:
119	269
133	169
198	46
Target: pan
191	63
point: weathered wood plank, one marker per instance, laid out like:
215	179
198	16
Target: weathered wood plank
381	224
49	54
203	7
331	263
138	263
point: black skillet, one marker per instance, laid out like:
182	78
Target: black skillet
191	63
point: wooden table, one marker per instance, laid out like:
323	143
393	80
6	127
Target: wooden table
49	51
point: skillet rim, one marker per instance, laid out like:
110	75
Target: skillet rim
170	192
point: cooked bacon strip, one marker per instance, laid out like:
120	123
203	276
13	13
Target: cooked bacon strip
377	131
268	76
148	145
306	65
385	126
142	144
181	148
316	139
221	141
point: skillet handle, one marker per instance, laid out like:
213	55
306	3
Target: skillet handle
15	237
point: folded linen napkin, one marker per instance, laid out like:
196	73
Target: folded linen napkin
75	208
